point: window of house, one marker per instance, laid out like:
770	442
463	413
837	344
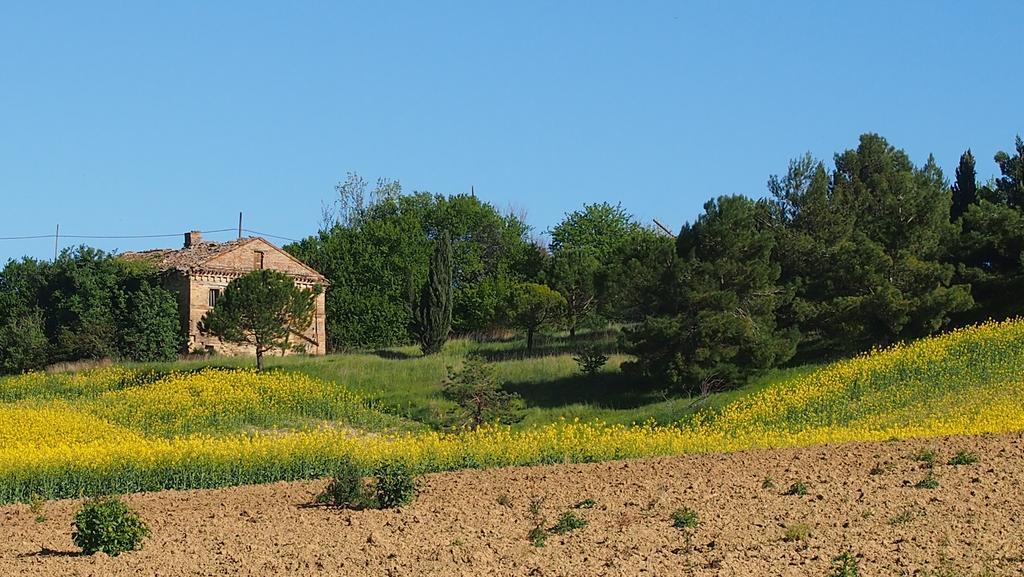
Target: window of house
214	295
257	259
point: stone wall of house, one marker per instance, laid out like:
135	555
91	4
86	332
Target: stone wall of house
219	271
199	287
249	256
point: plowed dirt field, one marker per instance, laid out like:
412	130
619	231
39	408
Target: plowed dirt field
860	498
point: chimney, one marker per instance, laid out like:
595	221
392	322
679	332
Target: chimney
193	238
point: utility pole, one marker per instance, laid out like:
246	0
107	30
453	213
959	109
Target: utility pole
56	242
239	224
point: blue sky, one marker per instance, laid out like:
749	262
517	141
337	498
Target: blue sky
153	118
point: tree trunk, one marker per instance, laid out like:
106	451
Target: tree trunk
529	340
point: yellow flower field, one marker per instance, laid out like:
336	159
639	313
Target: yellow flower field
218	427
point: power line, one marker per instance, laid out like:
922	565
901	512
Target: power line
258	233
109	237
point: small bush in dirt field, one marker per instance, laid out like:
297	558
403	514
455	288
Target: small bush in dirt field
798	532
845	565
964	458
346	488
927	457
590	359
906	516
395	485
930	481
35	505
685	518
538	536
585	504
569	521
107	524
799	489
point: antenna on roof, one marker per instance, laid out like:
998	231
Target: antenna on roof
239	224
662	227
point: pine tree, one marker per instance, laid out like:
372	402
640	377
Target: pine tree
965	189
433	316
726	294
262	309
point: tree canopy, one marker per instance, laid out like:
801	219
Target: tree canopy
263	309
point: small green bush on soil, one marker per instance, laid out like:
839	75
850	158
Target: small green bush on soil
346	488
569	521
685	518
395	485
964	458
109	525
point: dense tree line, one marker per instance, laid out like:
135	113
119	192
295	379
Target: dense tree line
832	262
834	259
86	304
376	253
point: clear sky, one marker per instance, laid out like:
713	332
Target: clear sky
158	117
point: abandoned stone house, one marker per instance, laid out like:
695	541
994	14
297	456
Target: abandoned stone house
198	273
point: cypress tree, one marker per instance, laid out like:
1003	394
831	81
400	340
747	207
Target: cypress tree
433	318
965	189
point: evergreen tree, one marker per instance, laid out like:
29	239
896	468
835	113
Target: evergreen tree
1011	184
262	309
864	251
726	295
433	315
965	189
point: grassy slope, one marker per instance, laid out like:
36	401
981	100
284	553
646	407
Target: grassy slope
404	383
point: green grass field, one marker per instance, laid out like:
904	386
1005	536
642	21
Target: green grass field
406	384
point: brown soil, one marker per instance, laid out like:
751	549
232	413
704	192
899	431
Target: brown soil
476	522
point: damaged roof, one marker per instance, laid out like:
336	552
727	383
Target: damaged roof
197	256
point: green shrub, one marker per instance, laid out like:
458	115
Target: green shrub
475	388
930	481
799	489
538	536
964	458
587	503
845	565
395	485
685	518
346	488
906	516
569	521
107	524
798	532
590	360
35	505
927	457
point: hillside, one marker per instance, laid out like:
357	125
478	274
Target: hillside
128	430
